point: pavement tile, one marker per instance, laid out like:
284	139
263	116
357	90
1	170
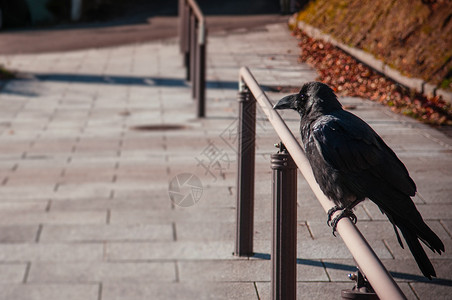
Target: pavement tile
322	248
424	291
125	201
54	217
182	291
51	272
314	290
398	252
175	250
241	270
18	233
435	211
25	192
205	231
81	190
189	214
51	252
106	233
402	270
326	248
12	272
384	229
408	271
222	231
448	226
49	291
11	207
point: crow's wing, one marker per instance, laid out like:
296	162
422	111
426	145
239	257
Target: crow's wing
367	165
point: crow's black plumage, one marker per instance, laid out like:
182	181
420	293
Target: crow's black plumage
351	162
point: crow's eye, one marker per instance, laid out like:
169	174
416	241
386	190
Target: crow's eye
303	97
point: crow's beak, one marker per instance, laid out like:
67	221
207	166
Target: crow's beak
287	102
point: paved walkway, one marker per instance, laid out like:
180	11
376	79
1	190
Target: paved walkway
85	211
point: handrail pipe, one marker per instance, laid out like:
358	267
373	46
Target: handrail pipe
192	42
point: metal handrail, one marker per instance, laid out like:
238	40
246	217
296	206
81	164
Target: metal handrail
193	34
368	262
196	10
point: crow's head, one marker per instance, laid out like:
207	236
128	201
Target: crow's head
313	98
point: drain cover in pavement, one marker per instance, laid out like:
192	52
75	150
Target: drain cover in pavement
158	127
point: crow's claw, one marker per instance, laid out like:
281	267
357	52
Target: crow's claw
344	213
331	211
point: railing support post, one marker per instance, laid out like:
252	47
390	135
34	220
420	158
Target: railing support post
192	29
193	54
245	174
181	30
284	246
187	41
201	71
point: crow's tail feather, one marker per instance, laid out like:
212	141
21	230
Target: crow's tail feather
414	230
429	238
411	238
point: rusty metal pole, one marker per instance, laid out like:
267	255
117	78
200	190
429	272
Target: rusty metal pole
187	41
246	134
181	16
193	44
201	74
284	246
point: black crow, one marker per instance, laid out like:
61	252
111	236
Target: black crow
351	162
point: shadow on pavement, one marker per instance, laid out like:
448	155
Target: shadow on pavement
130	80
135	80
351	268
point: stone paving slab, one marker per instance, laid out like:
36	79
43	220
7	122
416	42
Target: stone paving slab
319	289
85	211
55	252
64	217
49	291
180	290
18	233
101	233
12	272
51	272
240	270
118	202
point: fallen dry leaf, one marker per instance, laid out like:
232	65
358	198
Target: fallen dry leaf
349	77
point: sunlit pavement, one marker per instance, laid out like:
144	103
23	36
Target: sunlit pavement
111	188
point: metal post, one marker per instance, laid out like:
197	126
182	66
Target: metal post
201	71
245	174
187	41
193	53
284	247
181	17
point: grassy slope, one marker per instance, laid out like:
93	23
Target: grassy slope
409	35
